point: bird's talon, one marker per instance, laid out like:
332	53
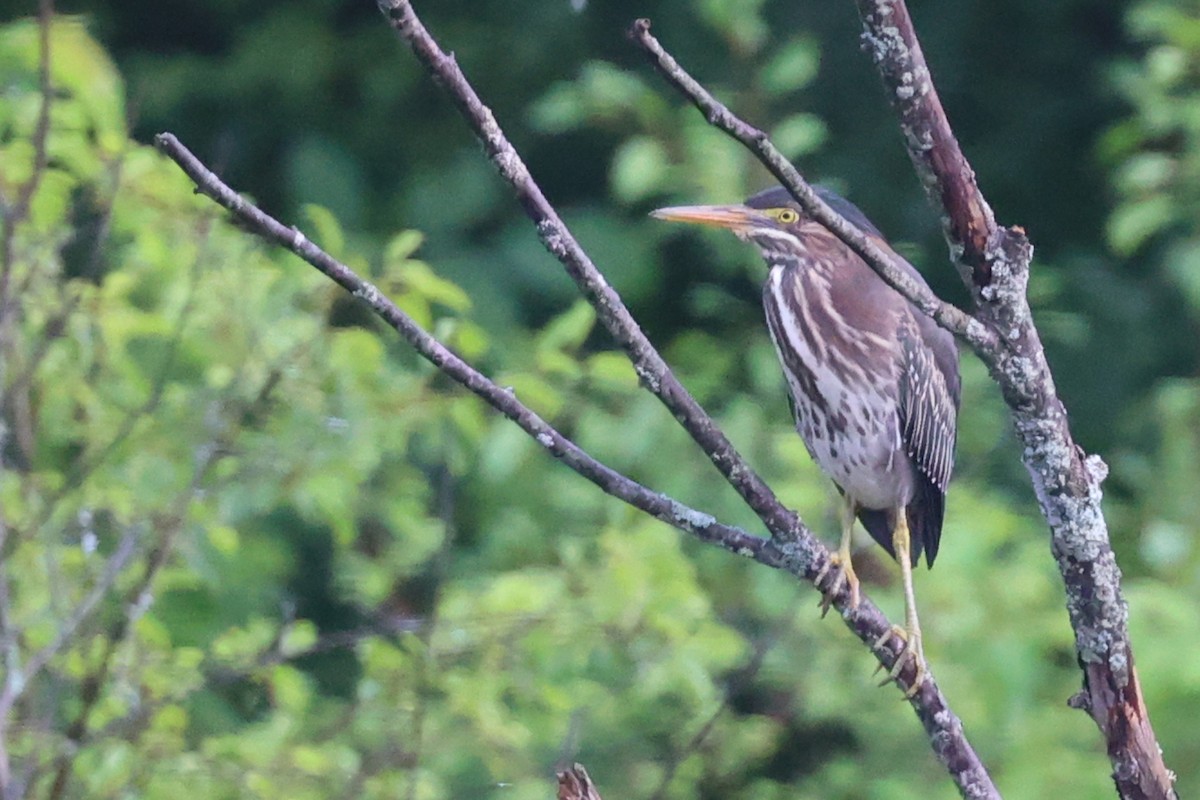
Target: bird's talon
910	650
843	570
828	594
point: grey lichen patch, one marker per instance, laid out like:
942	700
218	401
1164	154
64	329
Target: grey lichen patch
884	44
1097	468
511	166
648	377
796	557
915	83
369	294
1023	379
945	720
503	155
1079	530
692	519
552	237
1100	626
977	333
1047	451
545	440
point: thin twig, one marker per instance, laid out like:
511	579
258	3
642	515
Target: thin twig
20	680
881	258
867	622
138	598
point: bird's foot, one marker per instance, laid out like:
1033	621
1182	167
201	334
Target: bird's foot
910	651
842	570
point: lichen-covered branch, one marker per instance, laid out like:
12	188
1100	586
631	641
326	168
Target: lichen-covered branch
994	262
867	622
889	39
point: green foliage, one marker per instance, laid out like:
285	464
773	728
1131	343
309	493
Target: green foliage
319	570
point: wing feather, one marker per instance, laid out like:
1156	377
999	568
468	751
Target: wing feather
929	398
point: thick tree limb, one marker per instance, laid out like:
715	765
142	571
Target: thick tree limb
867	622
994	264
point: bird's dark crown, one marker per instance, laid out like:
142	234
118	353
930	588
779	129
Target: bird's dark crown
778	197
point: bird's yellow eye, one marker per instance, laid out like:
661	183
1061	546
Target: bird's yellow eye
787	215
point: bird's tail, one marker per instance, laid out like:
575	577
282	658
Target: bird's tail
924	513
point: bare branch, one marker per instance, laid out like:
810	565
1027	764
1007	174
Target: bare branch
610	310
612	482
867	622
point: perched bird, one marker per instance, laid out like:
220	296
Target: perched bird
874	382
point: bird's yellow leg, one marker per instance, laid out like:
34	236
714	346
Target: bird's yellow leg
841	562
911	632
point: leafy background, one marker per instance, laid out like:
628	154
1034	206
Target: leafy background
270	553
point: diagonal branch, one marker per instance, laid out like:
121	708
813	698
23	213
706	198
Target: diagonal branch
653	371
612	482
867	622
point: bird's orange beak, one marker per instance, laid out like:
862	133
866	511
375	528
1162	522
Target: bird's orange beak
735	218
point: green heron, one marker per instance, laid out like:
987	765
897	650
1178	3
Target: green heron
873	381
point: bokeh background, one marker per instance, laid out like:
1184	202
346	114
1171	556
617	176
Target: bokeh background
254	548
